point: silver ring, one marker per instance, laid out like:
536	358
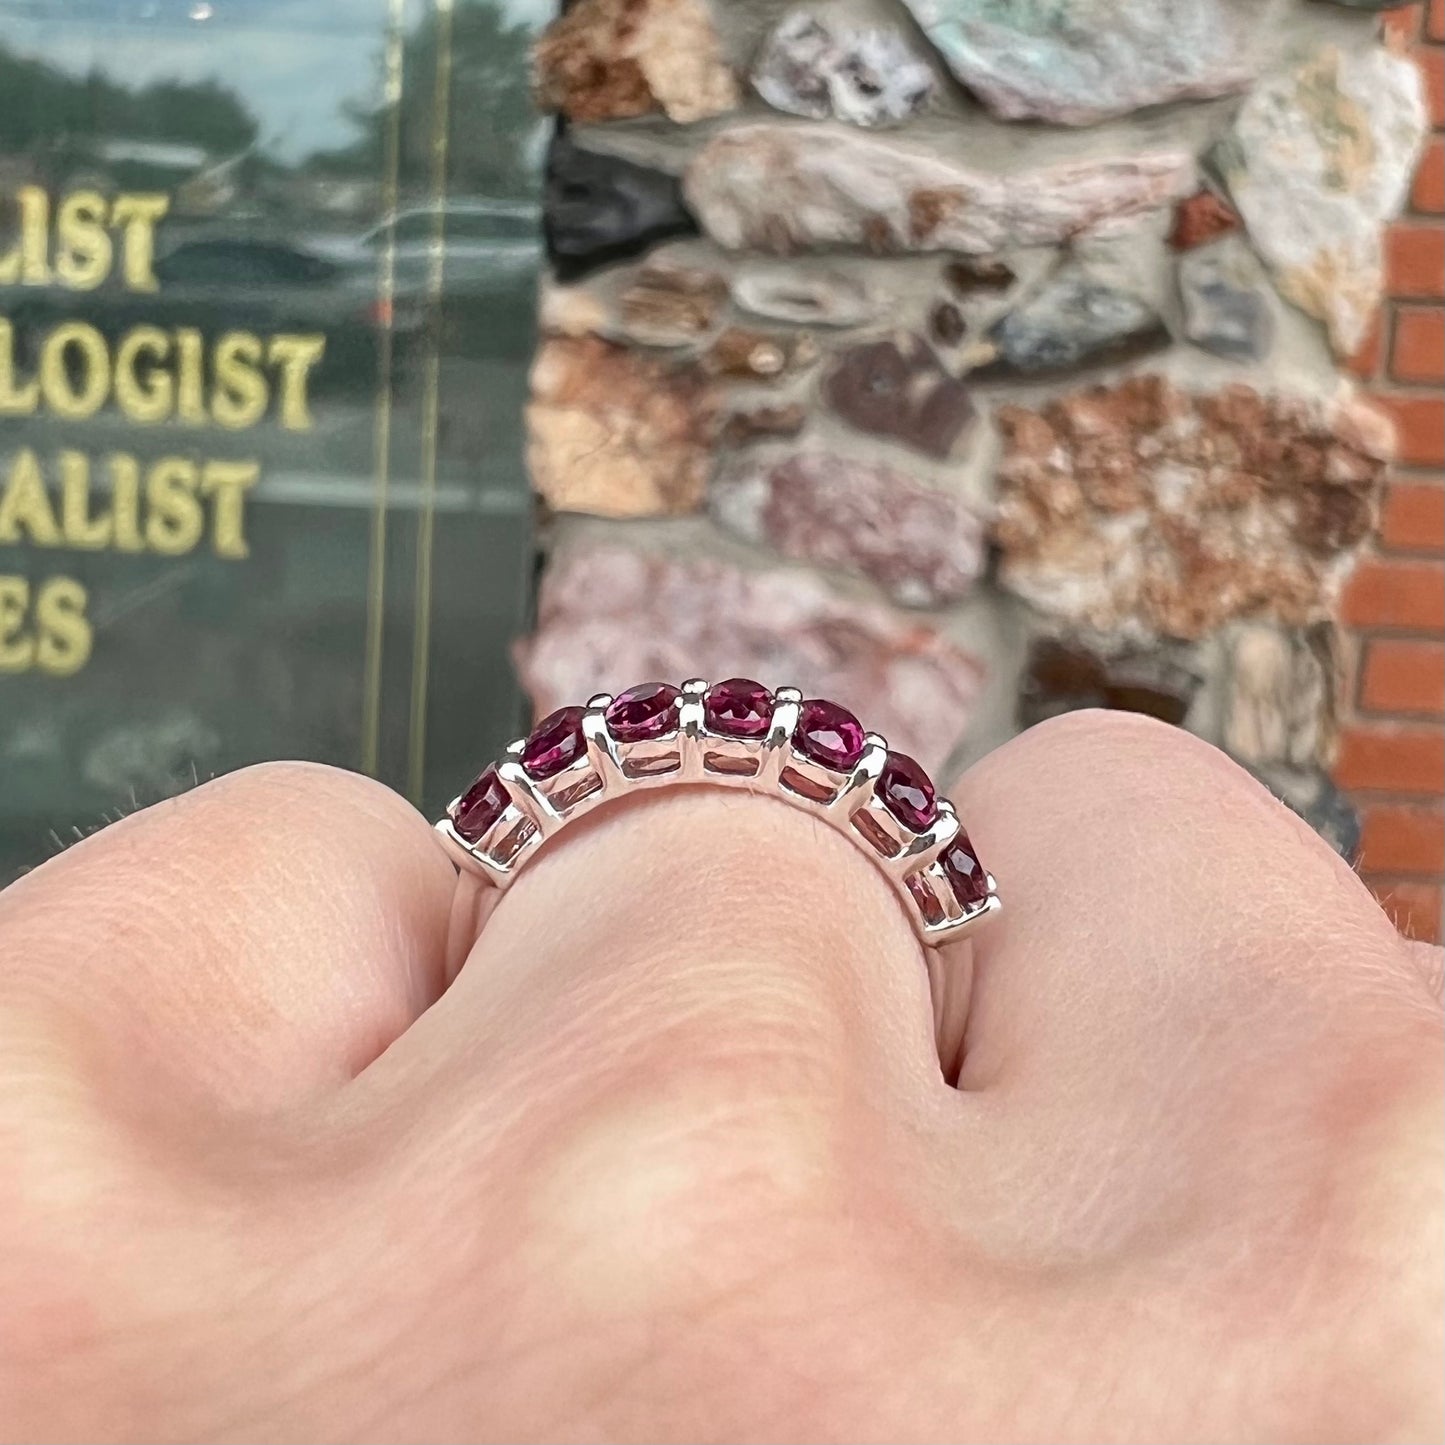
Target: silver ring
810	753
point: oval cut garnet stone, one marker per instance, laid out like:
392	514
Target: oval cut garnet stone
907	792
480	806
738	708
964	872
648	710
828	734
556	743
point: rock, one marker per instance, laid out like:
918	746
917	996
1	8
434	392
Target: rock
1280	694
747	355
1226	308
608	616
790	188
1077	61
570	311
1200	218
616	433
610	59
803	297
924	546
969	275
1074	319
763	423
1142	512
1370	4
897	388
1065	676
946	324
599	208
669	304
1318	159
825	70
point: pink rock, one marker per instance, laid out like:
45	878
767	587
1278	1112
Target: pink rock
611	59
792	188
923	545
1142	511
615	432
608	613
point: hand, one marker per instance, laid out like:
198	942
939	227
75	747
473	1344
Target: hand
288	1153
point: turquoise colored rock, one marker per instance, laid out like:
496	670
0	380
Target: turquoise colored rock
1078	61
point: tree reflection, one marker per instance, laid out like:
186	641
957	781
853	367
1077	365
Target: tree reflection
492	118
53	120
45	106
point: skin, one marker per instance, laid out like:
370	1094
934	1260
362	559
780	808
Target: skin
289	1152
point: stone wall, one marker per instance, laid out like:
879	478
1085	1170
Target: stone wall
969	362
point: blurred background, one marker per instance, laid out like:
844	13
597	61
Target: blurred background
376	375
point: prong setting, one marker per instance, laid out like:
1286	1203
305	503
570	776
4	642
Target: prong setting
747	739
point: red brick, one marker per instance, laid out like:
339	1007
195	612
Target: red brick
1413	517
1400	838
1429	193
1414	908
1435	25
1404	677
1415	259
1402	24
1389	759
1417	351
1419	428
1396	592
1432	63
1365	363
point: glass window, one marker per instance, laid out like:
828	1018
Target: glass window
288	533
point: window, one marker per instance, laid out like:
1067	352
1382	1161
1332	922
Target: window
242	263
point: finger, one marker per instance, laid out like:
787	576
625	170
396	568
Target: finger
1146	870
1429	960
251	942
723	941
1179	958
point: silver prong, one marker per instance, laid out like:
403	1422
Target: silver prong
909	862
776	745
855	793
951	930
690	744
601	748
926	846
530	797
470	859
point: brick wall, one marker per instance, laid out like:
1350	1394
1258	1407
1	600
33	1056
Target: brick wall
1392	748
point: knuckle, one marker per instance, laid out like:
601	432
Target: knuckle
669	1197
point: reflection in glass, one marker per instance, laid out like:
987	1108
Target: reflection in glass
313	300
